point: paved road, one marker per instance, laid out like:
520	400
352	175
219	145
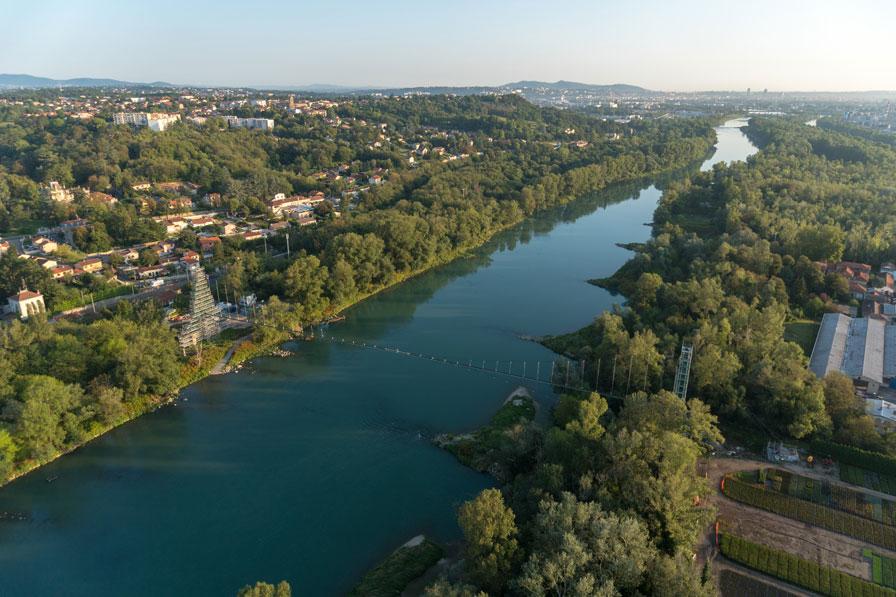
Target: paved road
176	282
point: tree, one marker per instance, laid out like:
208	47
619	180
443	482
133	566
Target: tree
581	416
664	411
491	548
8	451
341	284
826	242
41	428
443	588
840	399
276	322
578	549
671	576
148	257
653	473
573	442
304	283
263	589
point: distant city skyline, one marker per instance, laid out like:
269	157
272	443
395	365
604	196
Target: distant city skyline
691	45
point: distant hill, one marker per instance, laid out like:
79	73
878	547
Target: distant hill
32	82
619	88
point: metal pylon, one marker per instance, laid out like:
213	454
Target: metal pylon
683	373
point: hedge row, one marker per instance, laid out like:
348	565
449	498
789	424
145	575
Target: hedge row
811	513
865	478
803	573
873	461
822	492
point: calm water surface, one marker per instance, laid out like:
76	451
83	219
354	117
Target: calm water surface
313	467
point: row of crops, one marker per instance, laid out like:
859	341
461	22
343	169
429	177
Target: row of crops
866	478
822	492
883	569
860	467
803	573
811	513
873	461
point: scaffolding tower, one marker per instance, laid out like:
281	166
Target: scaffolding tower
683	373
205	317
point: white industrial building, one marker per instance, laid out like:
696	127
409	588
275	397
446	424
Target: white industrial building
862	348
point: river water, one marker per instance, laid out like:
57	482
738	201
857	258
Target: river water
311	468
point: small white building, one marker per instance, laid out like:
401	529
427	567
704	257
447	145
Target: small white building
26	303
882	411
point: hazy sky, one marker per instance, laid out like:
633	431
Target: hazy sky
662	44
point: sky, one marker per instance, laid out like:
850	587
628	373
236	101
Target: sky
674	45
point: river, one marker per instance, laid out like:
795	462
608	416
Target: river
311	468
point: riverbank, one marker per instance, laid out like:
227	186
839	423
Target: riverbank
193	371
400	568
503	446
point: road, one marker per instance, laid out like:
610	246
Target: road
175	282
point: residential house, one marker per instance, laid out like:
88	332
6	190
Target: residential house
208	243
212	199
90	265
26	303
190	257
46	263
45	245
202	222
151	271
61	271
180	203
174	225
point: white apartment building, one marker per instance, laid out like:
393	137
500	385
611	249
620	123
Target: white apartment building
153	121
262	124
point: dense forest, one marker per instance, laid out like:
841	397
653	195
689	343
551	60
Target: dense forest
732	260
602	503
419	217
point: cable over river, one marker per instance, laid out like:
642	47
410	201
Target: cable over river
313	467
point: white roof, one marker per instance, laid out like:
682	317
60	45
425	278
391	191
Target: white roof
857	347
880	409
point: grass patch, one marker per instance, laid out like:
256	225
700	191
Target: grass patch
502	447
405	564
802	332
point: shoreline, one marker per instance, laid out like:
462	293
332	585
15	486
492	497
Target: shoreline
150	404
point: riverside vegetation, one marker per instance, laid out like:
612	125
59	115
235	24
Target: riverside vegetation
62	384
610	504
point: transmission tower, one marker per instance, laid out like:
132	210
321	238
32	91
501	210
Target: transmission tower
683	373
205	318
